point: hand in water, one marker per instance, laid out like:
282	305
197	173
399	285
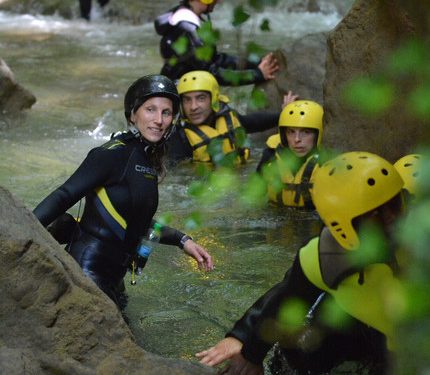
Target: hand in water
225	349
202	257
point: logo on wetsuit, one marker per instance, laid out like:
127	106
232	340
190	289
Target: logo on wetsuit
147	170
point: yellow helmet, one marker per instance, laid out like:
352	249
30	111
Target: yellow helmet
302	114
409	168
200	80
351	185
207	2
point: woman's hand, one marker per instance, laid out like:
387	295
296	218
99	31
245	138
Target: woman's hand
225	349
202	257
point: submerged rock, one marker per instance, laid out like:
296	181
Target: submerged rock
13	97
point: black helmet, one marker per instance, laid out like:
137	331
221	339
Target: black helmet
147	87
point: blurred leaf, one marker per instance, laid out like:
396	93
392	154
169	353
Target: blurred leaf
165	218
265	25
371	96
205	53
412	57
419	101
292	315
235	77
332	315
194	221
258	99
239	16
255	52
373	245
196	189
181	45
254	192
207	34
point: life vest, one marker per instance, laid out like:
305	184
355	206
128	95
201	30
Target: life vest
226	130
296	187
368	295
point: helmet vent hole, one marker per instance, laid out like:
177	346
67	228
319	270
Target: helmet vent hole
334	223
331	173
343	236
362	157
291	112
302	113
349	167
384	172
408	165
371	182
194	78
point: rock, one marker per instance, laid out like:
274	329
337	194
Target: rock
359	46
53	318
302	70
13	97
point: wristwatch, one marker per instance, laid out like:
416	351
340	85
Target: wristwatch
184	239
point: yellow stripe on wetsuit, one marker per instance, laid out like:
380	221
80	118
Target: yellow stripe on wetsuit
110	214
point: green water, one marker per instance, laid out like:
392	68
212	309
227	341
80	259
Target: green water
79	73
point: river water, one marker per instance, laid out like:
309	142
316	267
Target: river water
79	72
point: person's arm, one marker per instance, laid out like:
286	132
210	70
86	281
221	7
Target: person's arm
247	330
224	67
258	121
94	170
172	236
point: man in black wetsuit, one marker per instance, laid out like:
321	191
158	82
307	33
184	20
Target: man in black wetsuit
119	181
180	25
207	117
337	273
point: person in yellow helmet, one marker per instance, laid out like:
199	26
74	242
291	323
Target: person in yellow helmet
210	130
292	155
180	25
354	193
409	168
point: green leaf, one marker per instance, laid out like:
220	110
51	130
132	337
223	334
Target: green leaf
239	16
292	315
258	99
412	57
370	96
265	25
181	45
254	193
207	34
194	221
205	53
419	100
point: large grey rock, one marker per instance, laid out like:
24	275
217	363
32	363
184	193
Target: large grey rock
53	319
13	97
359	46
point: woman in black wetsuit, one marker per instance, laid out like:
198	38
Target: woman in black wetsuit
119	181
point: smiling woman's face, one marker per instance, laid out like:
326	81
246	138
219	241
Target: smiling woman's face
153	118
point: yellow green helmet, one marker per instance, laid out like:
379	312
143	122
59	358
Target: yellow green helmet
302	114
409	169
351	185
200	80
207	2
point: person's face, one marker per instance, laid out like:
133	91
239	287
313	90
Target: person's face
200	8
196	106
153	118
300	140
